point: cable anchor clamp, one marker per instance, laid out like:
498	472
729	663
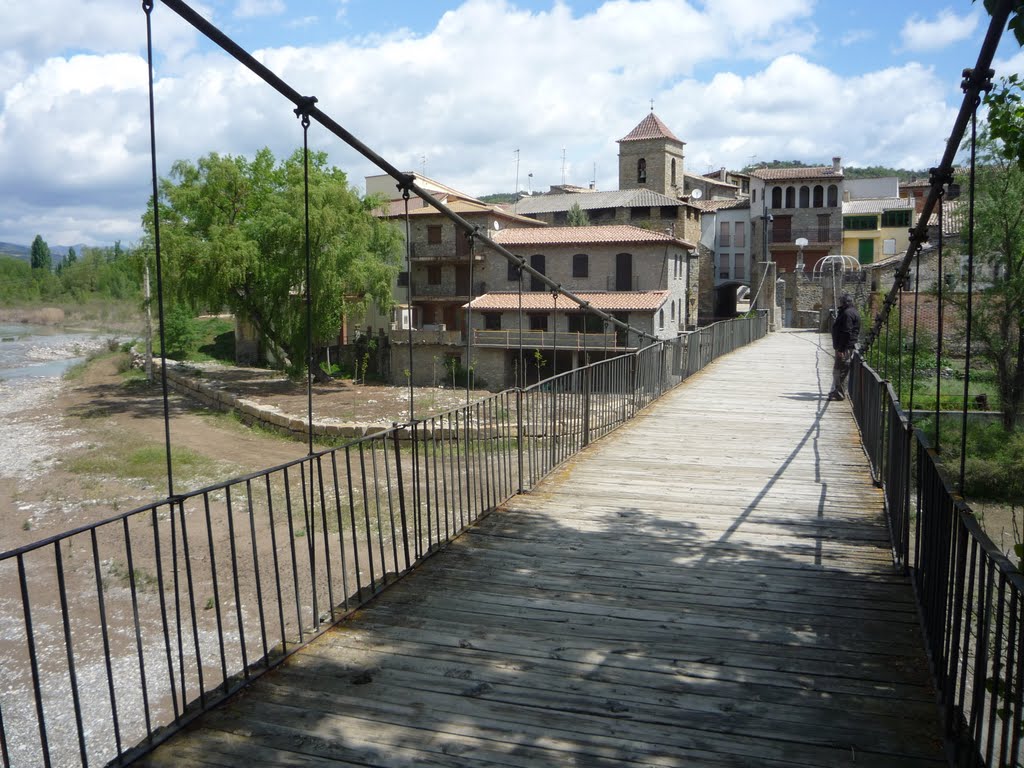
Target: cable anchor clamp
304	107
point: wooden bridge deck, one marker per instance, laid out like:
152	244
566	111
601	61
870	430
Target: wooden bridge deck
711	585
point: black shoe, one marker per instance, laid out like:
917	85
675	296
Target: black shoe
834	396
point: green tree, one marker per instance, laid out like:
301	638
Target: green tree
577	217
72	257
233	236
998	313
41	258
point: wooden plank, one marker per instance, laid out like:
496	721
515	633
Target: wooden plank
711	585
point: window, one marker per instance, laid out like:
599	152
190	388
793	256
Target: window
580	265
492	321
805	197
819	196
824	227
896	218
641	171
672	308
403	278
434	234
673	171
860	222
753	195
669	212
723	233
889	246
740	235
833	196
513	272
433	275
538	322
661	318
582	322
739	272
776	197
790	197
537	262
639	214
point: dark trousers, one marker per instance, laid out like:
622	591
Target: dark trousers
841	370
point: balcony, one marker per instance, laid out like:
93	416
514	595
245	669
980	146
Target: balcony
785	235
509	339
447	291
444	252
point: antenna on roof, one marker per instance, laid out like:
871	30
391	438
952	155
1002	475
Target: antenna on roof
652	105
563	166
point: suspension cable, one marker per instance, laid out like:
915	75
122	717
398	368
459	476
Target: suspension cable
522	372
974	82
147	7
554	334
303	114
469	316
913	353
940	329
408	293
970	289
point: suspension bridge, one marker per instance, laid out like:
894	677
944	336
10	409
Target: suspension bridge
683	555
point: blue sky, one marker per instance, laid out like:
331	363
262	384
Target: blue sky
455	88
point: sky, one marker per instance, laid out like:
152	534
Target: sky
479	94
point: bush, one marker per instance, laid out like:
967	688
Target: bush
181	332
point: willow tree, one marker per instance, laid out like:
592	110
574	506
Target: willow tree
233	237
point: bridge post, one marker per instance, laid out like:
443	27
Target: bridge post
401	494
586	405
519	436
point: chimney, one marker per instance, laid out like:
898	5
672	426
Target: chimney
722	175
837	164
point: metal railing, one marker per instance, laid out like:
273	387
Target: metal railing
544	339
116	634
971	597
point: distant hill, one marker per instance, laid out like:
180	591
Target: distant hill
17	251
58	252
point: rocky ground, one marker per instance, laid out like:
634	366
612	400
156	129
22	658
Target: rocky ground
54	434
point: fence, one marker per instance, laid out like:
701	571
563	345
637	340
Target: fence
116	634
971	597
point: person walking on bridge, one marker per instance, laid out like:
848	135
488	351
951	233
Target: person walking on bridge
845	331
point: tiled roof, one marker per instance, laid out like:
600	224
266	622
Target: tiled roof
916	183
700	180
622	198
877	205
954	217
814	172
613	233
651	127
467	208
538	301
710	206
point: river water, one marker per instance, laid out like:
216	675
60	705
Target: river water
32	361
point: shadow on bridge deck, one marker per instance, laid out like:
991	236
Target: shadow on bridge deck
710	585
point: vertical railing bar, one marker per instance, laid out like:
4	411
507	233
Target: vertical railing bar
352	520
981	644
105	634
234	581
341	525
289	516
158	556
134	592
190	590
997	645
5	755
216	589
176	579
377	513
520	438
256	571
277	564
309	517
401	495
69	647
327	539
418	429
1017	710
445	451
966	637
33	659
366	515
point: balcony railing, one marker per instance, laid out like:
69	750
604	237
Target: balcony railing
789	235
457	251
545	339
446	291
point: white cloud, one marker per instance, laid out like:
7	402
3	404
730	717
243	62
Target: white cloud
488	79
247	9
854	36
919	34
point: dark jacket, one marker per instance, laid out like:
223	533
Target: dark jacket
846	328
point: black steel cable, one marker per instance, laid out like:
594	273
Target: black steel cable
970	290
939	329
147	7
301	113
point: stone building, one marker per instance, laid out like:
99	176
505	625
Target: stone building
797	215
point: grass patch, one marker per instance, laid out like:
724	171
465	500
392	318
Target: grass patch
992	469
141	462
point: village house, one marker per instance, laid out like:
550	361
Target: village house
876	219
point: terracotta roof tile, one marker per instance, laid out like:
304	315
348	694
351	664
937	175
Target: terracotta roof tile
538	301
812	172
614	233
651	127
621	198
877	205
